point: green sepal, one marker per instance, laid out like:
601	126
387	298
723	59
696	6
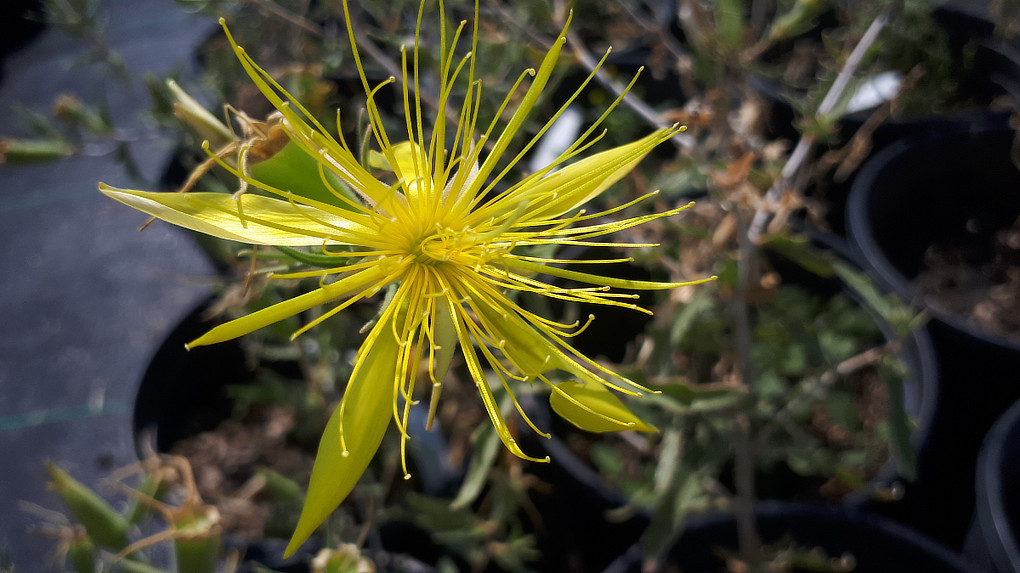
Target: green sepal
199	553
292	169
81	553
105	526
308	258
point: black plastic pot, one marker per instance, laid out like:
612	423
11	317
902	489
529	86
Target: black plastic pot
987	69
994	538
876	544
576	533
957	189
184	392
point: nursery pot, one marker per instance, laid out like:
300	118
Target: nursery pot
576	532
956	190
877	545
994	537
985	70
183	393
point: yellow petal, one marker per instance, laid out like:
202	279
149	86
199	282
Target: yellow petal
281	310
365	415
485	393
248	219
592	407
406	161
529	100
531	352
445	334
582	181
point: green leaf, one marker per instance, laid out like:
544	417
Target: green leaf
683	398
799	249
485	446
16	151
890	307
702	302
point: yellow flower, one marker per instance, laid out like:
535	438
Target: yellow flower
446	244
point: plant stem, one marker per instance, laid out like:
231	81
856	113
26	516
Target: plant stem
644	110
807	141
743	504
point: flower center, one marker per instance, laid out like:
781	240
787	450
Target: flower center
435	248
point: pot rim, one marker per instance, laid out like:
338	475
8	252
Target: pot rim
990	486
863	237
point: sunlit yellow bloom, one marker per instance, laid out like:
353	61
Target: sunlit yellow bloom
446	244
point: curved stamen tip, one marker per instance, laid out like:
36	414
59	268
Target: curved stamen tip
407	476
222	21
345	453
546	460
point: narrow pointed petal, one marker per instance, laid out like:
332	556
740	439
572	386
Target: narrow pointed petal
529	350
593	408
364	418
290	307
582	181
533	352
445	335
249	219
529	100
